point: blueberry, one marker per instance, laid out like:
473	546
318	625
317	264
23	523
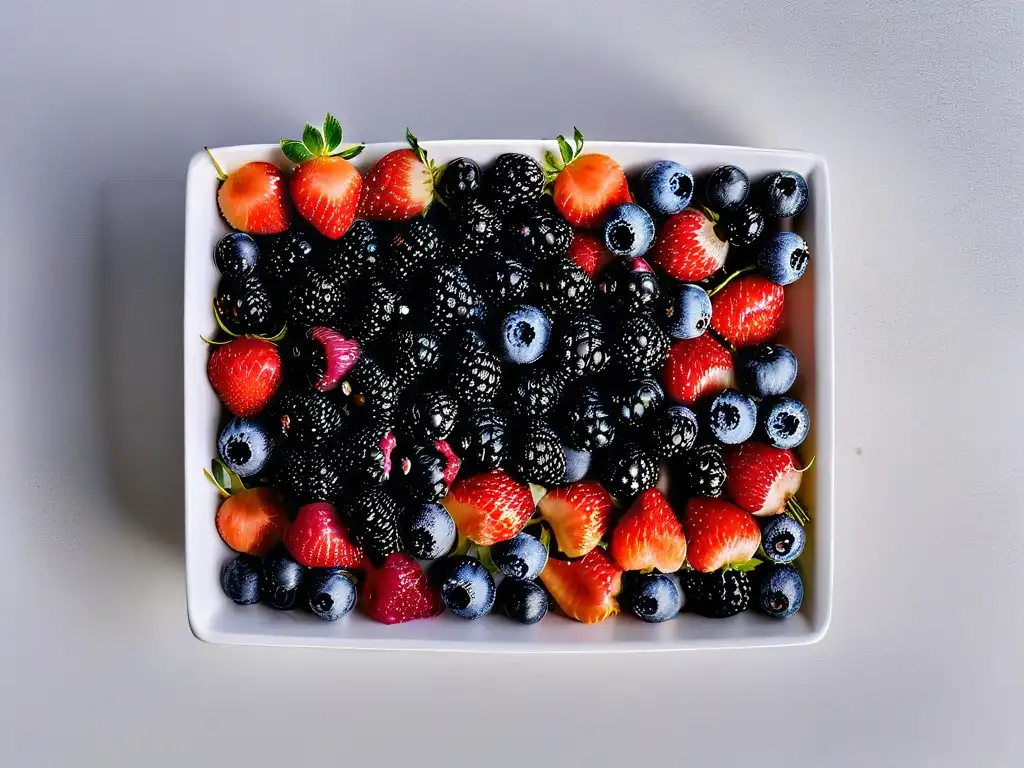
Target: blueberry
524	334
784	257
765	370
780	591
727	188
429	532
628	230
666	187
332	593
784	421
466	587
281	579
522	556
459	181
236	254
240	579
577	464
782	539
244	447
783	194
652	597
689	312
732	417
523	601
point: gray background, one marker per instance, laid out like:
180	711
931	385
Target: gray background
918	109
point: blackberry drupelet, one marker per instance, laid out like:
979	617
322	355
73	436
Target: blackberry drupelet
412	355
475	229
534	393
315	299
286	255
641	346
414	247
538	456
481	440
419	475
450	299
587	423
629	286
673	431
371	309
374	518
430	416
474	376
245	305
367	455
635	399
741	226
308	417
355	255
514	181
567	291
626	470
717	594
309	475
369	391
704	470
579	347
539	236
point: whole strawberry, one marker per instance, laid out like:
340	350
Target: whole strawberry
761	478
400	185
245	374
748	310
586	187
579	515
687	248
649	536
489	507
325	187
696	368
251	520
398	591
251	199
719	535
318	539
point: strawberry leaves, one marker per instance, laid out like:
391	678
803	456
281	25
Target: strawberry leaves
319	142
553	164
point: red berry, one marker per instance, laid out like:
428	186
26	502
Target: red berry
579	515
687	248
719	534
251	199
584	589
252	521
319	539
589	253
398	186
399	591
748	310
649	536
245	374
761	478
489	507
697	368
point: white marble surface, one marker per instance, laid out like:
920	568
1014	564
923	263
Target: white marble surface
918	109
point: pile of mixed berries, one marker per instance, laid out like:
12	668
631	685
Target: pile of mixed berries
490	388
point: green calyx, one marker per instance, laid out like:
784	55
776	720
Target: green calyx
749	565
319	142
553	164
433	170
795	510
226	481
483	554
221	176
231	335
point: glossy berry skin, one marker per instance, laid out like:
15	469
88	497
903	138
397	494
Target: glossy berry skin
718	594
630	286
422	476
566	289
460	181
236	254
314	299
286	256
704	471
635	399
357	254
727	188
784	258
489	507
742	226
673	431
666	187
505	282
369	391
245	374
732	417
317	538
474	377
539	458
587	420
308	416
367	455
628	231
514	181
641	346
374	516
538	236
281	578
783	194
245	305
688	248
240	579
252	199
779	592
325	191
429	532
399	591
651	597
748	310
521	557
372	307
411	250
450	299
782	538
331	594
476	228
481	440
588	251
627	470
467	589
535	394
579	348
524	335
525	602
244	446
413	354
308	475
431	417
784	421
577	464
766	370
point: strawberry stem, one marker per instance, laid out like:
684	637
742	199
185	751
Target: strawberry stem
220	171
809	464
796	511
220	323
730	278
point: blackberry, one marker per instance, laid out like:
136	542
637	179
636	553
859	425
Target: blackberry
366	455
459	181
635	399
308	416
286	255
413	248
451	300
567	289
627	470
369	390
629	286
717	594
704	470
354	255
481	440
535	393
579	349
741	226
514	181
315	299
474	376
673	431
375	522
587	422
505	282
420	475
430	416
244	305
539	235
413	355
372	308
309	475
475	229
641	346
538	456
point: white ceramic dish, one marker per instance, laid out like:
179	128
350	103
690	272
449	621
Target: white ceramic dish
807	330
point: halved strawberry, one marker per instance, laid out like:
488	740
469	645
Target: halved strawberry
584	589
649	536
687	248
719	534
325	187
245	374
399	591
748	310
761	478
319	539
579	515
252	520
586	186
400	185
589	253
251	199
489	507
696	368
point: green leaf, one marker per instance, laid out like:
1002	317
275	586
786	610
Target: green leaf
577	138
552	161
463	546
750	565
296	151
564	149
484	554
332	133
221	474
349	152
220	323
313	139
545	538
220	488
415	144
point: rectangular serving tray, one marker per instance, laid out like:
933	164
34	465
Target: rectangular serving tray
807	330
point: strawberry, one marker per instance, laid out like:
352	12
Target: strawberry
687	248
719	534
579	515
761	478
696	368
398	591
252	520
245	374
584	589
748	310
325	186
589	253
251	199
400	185
489	507
586	186
319	539
649	536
